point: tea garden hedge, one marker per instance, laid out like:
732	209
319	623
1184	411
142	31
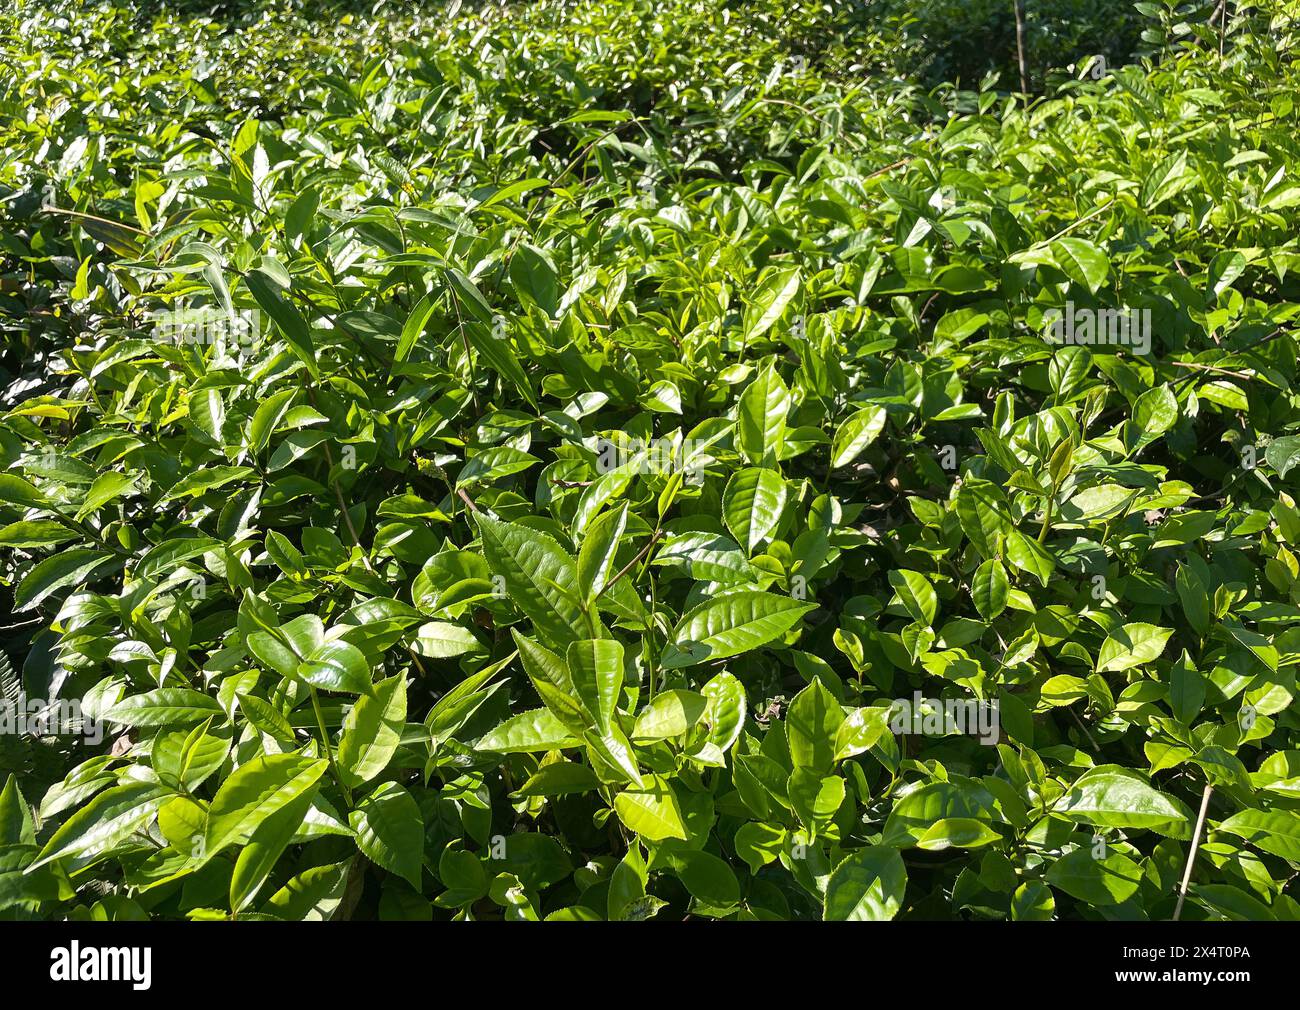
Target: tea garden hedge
621	460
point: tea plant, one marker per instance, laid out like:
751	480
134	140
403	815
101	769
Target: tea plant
613	460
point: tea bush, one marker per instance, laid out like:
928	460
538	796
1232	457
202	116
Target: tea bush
613	460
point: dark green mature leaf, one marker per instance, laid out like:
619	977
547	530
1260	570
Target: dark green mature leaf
731	624
276	304
68	568
1110	880
540	577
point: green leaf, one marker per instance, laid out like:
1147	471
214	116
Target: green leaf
752	504
67	568
561	778
337	666
1082	261
860	730
671	714
205	479
1115	797
540	578
444	640
1110	880
916	594
171	554
731	624
815	798
414	326
493	464
761	416
1186	690
1029	556
463	875
105	822
372	732
312	895
990	589
266	718
106	488
596	669
253	792
390	831
274	653
856	433
257	859
1195	599
811	727
286	317
165	706
1033	902
956	832
185	759
16	825
725	712
1275	831
534	276
37	533
498	351
267	417
867	886
774	294
599	549
651	810
1132	645
550	677
1154	413
917	811
532	731
16	491
1282	454
708	879
759	844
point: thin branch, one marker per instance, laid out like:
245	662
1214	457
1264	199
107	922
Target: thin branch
631	564
1191	854
1020	47
460	493
93	217
1212	368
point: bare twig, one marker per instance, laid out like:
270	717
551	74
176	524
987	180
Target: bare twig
1191	854
93	217
889	168
460	493
1020	47
1212	368
631	564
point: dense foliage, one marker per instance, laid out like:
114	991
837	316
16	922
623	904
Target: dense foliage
522	461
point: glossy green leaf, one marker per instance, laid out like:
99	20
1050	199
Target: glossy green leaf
867	886
731	624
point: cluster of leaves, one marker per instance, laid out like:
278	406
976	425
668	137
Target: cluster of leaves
634	414
964	40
